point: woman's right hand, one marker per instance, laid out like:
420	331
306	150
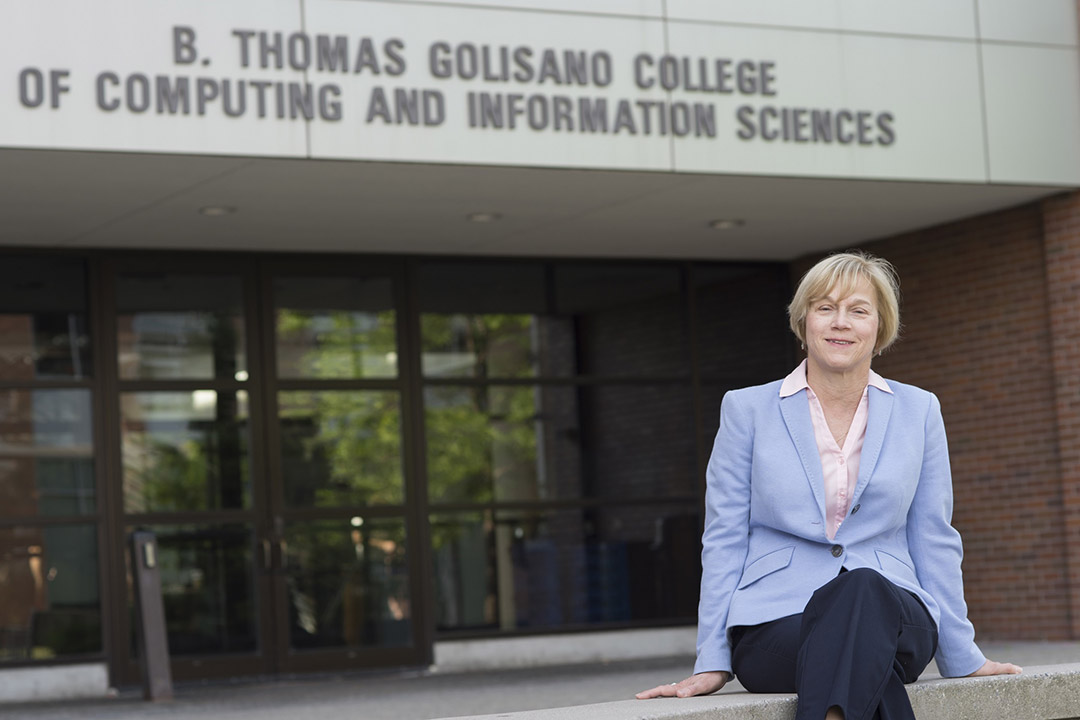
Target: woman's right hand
705	683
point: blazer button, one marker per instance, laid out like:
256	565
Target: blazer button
855	509
837	551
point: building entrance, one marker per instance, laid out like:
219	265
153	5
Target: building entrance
259	429
346	458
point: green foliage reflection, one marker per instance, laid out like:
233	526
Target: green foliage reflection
179	456
325	344
341	448
495	345
481	443
344	447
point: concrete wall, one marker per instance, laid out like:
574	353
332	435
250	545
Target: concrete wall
921	90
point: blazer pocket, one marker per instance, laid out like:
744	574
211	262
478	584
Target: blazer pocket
765	565
892	565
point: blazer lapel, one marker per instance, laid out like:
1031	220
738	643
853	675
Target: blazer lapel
877	420
796	411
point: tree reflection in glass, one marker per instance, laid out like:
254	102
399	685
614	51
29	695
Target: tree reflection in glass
482	443
335	328
341	447
336	344
489	345
185	450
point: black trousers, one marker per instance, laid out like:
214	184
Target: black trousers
857	643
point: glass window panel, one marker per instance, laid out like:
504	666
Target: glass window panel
737	346
46	453
497	346
50	606
639	441
521	569
341	447
348	583
207	585
463	554
503	443
628	320
185	450
331	327
180	327
482	443
487	320
43	333
521	443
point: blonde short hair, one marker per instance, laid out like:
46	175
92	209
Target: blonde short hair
843	271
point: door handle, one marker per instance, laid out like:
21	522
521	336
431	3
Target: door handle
283	553
268	557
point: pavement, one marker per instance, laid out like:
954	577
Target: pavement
423	695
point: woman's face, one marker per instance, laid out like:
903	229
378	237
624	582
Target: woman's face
841	332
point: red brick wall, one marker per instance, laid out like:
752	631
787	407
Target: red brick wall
977	333
1061	226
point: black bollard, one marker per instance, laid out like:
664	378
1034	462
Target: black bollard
153	644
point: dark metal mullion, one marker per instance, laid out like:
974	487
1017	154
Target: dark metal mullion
258	459
421	557
128	386
11	521
189	517
569	381
569	629
568	504
272	528
108	444
336	265
314	385
46	384
338	512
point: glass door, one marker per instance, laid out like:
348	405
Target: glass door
187	419
342	545
261	431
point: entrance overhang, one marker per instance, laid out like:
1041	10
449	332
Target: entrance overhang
74	199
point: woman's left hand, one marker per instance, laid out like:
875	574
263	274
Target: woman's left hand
705	683
995	668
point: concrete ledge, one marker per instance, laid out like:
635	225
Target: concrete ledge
56	682
581	648
1051	692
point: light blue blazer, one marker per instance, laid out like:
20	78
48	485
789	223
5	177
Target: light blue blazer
765	551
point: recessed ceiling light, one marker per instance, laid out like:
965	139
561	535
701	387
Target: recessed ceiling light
483	217
217	210
726	224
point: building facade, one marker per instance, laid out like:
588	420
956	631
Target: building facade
405	324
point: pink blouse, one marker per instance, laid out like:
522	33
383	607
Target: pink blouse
839	465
